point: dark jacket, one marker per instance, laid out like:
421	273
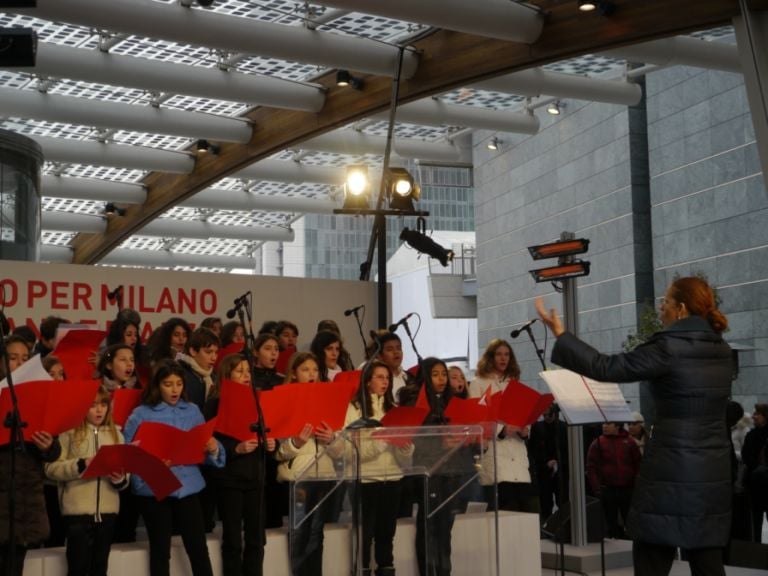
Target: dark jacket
31	517
682	495
613	461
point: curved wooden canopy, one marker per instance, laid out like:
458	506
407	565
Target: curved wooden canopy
448	60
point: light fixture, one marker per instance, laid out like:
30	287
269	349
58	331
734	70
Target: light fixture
202	146
420	242
561	272
559	249
493	144
357	188
402	189
111	209
605	7
554	108
587	5
344	78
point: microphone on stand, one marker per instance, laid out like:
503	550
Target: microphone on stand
353	310
113	294
239	301
523	328
403	320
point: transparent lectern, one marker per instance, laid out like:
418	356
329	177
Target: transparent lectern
435	472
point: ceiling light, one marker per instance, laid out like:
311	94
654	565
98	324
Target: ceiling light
202	146
344	78
554	108
357	188
493	144
587	5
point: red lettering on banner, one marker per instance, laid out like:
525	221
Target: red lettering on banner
103	299
166	302
142	305
59	295
82	296
188	300
146	332
9	292
208	302
35	290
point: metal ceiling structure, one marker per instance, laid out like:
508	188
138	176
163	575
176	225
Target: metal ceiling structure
122	89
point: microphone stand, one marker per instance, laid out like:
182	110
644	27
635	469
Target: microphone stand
14	422
413	342
359	322
539	351
365	421
260	427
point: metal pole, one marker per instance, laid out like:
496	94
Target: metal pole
575	436
381	292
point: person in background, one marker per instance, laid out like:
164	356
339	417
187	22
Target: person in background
268	327
169	340
753	454
549	447
213	323
287	335
55	370
458	382
391	354
48	329
198	361
637	431
326	346
17	351
89	506
613	462
303	368
126	329
117	368
54	367
164	401
345	360
232	333
28	335
682	495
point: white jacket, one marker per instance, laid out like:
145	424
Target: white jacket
92	496
312	461
380	460
511	451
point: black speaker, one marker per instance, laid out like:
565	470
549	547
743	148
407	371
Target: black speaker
18	47
558	526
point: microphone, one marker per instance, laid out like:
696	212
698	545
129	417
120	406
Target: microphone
113	294
523	328
403	320
239	301
353	310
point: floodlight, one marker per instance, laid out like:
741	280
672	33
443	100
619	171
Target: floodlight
356	188
402	189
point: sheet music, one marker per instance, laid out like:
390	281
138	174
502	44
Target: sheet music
586	401
30	371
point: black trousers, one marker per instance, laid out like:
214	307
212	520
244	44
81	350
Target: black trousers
656	560
434	523
159	519
55	519
242	537
381	502
306	540
513	496
615	500
21	553
88	544
127	518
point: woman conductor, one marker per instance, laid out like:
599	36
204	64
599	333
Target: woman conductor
682	495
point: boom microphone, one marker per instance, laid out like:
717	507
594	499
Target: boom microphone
353	310
403	320
239	301
523	328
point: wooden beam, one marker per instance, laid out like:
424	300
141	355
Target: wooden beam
449	60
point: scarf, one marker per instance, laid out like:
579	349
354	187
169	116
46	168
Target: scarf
204	374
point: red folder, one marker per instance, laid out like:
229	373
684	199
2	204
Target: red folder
287	408
74	350
49	405
131	458
237	411
283	359
521	405
350	379
233	348
404	416
124	400
168	443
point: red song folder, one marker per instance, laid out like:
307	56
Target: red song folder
237	411
75	348
522	405
124	400
168	443
131	458
404	416
288	407
351	379
49	406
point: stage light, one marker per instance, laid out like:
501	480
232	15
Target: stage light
424	244
357	188
605	7
559	249
561	272
554	108
493	144
587	5
402	189
202	146
344	78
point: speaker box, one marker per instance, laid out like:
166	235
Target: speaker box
18	47
558	526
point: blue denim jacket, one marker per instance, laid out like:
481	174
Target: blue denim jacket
183	416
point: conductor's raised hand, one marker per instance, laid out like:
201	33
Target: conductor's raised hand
550	318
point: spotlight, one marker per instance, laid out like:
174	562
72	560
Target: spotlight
493	144
424	244
202	146
402	189
344	78
587	5
554	108
111	209
605	7
356	188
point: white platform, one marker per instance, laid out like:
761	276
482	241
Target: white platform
472	541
